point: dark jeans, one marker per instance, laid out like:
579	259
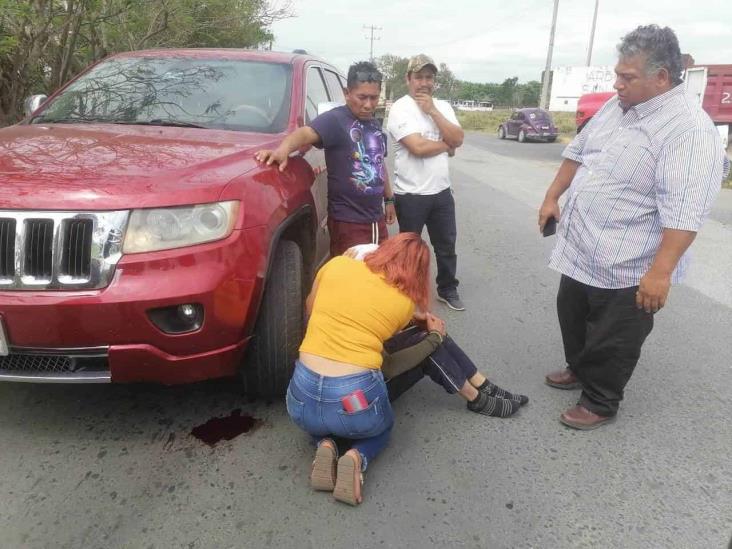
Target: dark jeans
437	211
603	332
448	365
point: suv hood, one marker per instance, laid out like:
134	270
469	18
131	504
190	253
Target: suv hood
110	167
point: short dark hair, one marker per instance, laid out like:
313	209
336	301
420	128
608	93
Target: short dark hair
363	71
659	45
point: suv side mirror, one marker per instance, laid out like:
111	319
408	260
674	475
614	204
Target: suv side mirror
327	106
33	102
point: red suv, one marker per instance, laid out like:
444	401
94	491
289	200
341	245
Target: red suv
139	238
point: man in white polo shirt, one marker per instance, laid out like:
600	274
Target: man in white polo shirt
426	132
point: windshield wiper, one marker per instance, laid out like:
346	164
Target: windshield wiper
67	120
160	122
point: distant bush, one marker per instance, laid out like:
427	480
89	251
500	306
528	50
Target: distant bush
489	121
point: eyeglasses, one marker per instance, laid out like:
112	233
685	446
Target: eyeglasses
368	76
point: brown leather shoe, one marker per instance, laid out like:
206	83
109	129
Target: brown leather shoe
581	418
563	379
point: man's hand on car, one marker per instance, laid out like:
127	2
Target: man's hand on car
269	157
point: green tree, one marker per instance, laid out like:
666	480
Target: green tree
394	70
43	43
447	84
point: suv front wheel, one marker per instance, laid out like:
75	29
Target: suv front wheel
278	332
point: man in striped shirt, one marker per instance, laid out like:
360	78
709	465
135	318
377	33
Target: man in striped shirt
640	180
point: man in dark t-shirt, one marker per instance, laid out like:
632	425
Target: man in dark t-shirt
360	198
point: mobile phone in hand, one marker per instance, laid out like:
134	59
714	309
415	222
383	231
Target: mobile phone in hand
550	227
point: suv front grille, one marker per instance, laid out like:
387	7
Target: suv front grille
76	253
59	250
36	363
86	365
7	247
39	247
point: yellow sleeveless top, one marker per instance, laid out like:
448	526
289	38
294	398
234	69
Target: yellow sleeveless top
353	313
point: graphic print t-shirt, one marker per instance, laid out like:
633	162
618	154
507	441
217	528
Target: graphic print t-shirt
355	152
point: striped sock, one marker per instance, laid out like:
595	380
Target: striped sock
491	406
495	391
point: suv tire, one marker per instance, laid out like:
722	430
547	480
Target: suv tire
522	136
501	133
278	331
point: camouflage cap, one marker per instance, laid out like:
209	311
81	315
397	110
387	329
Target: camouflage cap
420	61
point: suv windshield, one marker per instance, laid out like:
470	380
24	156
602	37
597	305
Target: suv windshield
174	91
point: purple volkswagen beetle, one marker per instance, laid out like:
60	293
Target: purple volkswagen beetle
529	125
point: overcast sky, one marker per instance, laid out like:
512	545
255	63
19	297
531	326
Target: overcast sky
491	40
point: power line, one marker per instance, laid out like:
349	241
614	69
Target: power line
372	38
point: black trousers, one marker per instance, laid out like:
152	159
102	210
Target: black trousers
437	212
603	332
448	365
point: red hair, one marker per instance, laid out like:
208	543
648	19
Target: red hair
404	261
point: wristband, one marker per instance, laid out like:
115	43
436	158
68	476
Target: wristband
438	334
389	200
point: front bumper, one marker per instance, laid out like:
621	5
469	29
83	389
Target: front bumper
113	324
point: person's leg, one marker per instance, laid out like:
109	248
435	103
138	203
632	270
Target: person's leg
412	211
443	368
343	235
442	228
616	331
382	231
572	310
474	377
370	428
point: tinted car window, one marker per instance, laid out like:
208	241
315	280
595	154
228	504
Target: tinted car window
316	93
334	86
213	93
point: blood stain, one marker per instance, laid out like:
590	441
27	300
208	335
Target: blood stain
225	428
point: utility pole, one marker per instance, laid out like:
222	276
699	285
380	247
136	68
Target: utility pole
372	38
544	103
592	34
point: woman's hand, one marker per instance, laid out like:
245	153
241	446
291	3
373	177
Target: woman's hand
435	324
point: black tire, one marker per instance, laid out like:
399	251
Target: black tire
278	332
551	139
522	136
501	133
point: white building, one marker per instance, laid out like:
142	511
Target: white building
569	83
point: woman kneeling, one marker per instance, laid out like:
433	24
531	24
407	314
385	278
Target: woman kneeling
354	306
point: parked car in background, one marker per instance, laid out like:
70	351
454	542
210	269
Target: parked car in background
140	241
588	105
529	125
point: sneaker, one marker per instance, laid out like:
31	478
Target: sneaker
452	301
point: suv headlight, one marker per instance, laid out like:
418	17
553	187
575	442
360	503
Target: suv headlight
155	229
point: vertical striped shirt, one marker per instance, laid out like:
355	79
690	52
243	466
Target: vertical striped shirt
657	166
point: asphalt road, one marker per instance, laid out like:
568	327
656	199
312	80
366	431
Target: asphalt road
115	466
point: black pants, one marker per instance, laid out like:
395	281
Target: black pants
448	365
603	332
437	211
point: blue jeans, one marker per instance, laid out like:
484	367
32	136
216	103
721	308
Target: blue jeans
314	404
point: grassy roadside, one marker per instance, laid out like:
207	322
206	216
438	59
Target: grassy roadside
489	122
727	183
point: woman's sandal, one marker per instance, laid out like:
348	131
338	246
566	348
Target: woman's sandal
323	473
350	480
